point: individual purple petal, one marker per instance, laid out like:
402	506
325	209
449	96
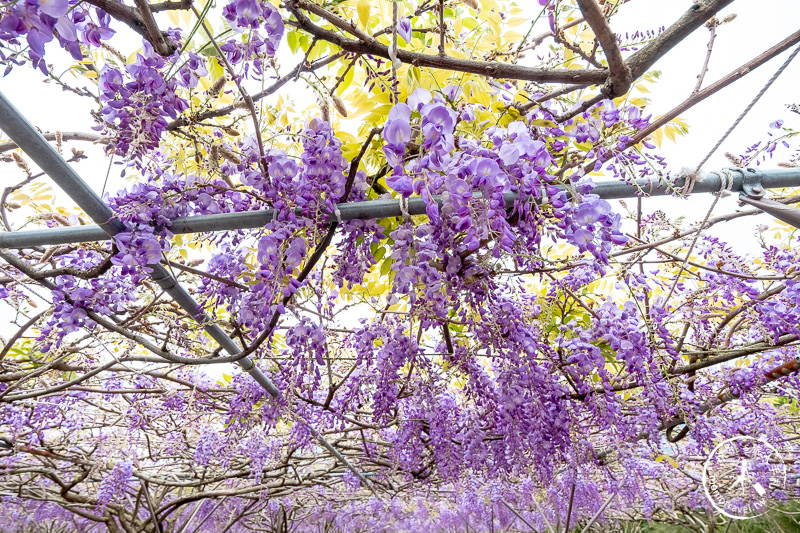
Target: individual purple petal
397	132
54	8
400	183
581	237
404	29
440	115
419	98
399	112
12	24
509	153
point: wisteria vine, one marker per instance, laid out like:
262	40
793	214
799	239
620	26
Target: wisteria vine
523	355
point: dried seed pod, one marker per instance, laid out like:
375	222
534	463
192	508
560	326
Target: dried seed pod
211	163
324	108
338	104
217	86
21	162
116	53
230	156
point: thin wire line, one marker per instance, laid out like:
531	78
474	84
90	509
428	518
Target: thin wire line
108	173
749	107
722	178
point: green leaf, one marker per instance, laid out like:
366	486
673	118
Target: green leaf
291	38
386	267
363	9
215	69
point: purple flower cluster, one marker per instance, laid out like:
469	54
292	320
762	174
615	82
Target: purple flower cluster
40	21
472	181
137	110
138	247
487	376
114	484
252	16
590	221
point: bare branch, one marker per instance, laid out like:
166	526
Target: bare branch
619	81
169	6
491	69
712	26
65	135
714	87
157	38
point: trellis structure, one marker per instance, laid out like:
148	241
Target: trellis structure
32	143
539	391
750	182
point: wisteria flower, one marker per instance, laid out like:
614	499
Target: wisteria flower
404	29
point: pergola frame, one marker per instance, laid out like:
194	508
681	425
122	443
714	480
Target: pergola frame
30	141
751	182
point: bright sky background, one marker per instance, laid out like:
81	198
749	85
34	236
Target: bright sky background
757	26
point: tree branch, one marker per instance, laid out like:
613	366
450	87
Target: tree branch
169	6
157	38
712	26
619	81
696	16
65	136
492	69
698	97
132	18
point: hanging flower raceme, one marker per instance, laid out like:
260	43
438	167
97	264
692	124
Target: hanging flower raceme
137	111
39	22
114	484
247	15
474	181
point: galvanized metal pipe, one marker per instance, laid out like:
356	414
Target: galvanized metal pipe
609	190
39	150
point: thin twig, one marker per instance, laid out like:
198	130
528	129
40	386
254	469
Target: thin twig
520	516
749	107
733	76
204	274
442	29
280	82
713	29
594	517
65	136
572	491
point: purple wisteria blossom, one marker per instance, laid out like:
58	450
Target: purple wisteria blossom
404	29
